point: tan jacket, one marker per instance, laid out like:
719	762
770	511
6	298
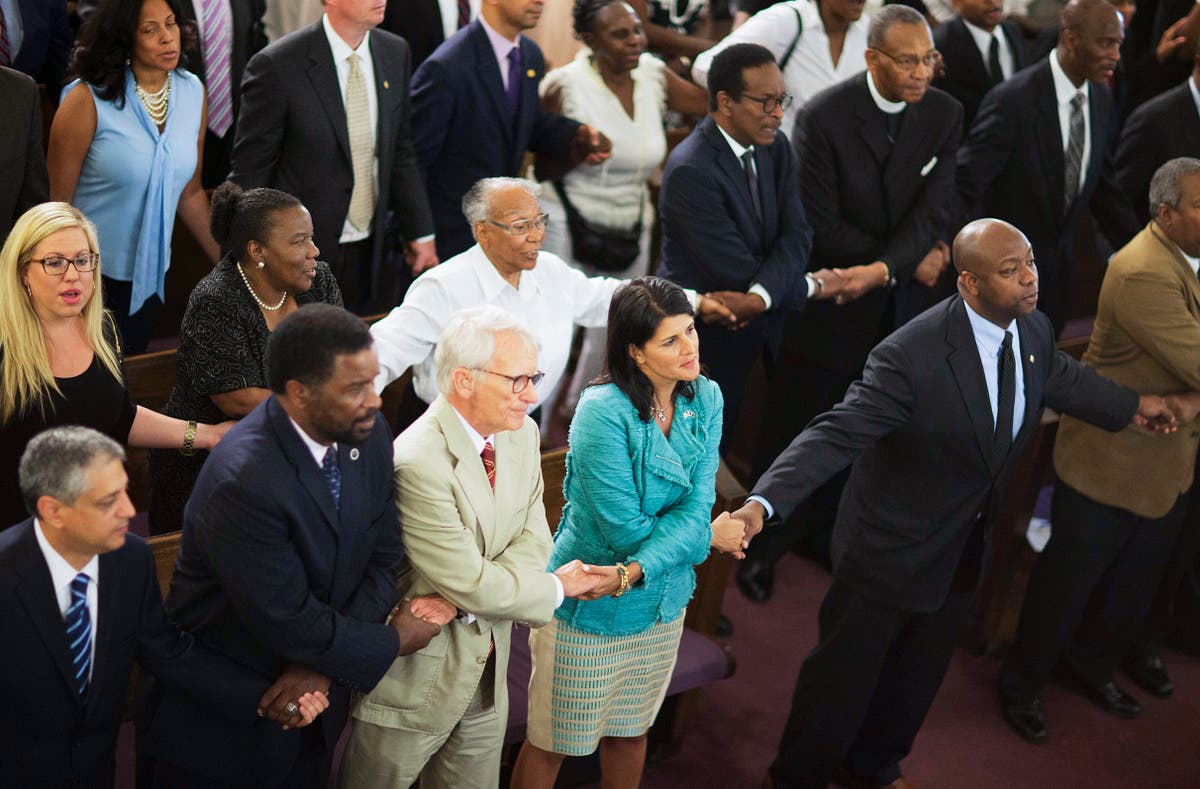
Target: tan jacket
485	552
1147	337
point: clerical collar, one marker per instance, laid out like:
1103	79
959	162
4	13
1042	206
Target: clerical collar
885	106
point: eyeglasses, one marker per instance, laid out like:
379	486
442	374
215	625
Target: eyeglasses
910	62
770	103
56	265
523	227
519	382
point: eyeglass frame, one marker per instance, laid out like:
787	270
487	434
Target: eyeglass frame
780	102
543	219
94	257
933	57
534	379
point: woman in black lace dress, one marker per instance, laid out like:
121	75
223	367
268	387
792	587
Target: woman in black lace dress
269	270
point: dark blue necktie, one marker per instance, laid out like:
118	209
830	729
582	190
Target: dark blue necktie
79	633
514	80
333	477
1006	399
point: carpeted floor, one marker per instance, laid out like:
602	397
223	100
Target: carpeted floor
964	743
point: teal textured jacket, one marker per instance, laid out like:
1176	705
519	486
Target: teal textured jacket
634	494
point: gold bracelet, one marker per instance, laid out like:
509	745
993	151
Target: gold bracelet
621	571
189	440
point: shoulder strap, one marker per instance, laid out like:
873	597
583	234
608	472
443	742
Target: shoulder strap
799	32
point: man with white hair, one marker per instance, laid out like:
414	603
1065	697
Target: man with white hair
507	268
469	490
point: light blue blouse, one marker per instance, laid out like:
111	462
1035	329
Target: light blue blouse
634	494
132	178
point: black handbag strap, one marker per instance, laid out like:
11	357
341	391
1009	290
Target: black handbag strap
574	215
799	32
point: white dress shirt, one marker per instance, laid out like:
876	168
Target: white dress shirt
1065	90
61	576
811	68
501	46
983	40
341	51
449	11
1195	92
552	298
14	28
316	448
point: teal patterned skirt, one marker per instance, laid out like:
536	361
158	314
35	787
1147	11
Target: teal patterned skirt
587	686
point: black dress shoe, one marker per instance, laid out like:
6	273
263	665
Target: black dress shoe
1025	718
1150	675
1112	699
755	577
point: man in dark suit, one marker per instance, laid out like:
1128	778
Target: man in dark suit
25	182
1056	120
876	178
980	49
79	601
425	24
37	41
1160	130
476	112
732	222
219	60
944	406
326	118
308	589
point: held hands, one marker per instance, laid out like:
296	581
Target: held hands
415	632
434	608
711	310
1154	414
297	697
591	145
830	285
588	582
1185	406
744	306
752	514
856	281
932	265
729	535
420	255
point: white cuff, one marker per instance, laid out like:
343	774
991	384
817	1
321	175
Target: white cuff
766	505
560	595
761	292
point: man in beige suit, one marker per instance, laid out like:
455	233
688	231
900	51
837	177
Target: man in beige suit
1122	496
469	490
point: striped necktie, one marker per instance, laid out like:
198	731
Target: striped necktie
78	621
1073	163
488	456
215	49
362	147
5	47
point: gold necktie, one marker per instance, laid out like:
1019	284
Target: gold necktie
362	149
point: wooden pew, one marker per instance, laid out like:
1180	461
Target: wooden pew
997	607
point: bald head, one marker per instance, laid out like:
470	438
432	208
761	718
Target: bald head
1089	40
996	273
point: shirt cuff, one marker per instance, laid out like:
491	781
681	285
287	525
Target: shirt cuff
558	590
761	292
423	239
694	295
766	505
466	617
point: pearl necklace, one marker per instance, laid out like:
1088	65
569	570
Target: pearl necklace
157	103
254	295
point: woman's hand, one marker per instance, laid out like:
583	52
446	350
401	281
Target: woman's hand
207	436
728	535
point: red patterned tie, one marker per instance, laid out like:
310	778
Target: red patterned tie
464	13
5	50
489	463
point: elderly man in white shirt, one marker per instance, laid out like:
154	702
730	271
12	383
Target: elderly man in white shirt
507	268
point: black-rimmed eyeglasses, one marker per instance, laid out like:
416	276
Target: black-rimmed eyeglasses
771	103
519	382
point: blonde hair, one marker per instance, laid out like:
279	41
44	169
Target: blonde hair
25	378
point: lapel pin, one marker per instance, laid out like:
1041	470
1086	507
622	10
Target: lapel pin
531	73
354	454
1031	358
386	86
689	414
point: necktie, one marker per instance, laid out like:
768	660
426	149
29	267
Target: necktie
79	633
5	49
1007	385
1073	158
994	69
464	13
514	80
215	49
333	476
488	455
752	182
362	147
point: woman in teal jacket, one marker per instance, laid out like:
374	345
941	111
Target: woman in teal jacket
640	487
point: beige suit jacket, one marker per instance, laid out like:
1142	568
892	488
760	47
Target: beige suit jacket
1147	337
484	551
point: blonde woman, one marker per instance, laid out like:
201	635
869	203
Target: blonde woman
60	357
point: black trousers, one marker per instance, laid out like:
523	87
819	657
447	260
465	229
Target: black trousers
728	358
351	265
1173	617
1088	592
864	691
311	770
136	329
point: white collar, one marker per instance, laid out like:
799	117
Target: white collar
988	333
61	572
739	150
493	284
983	39
315	447
341	50
1195	91
1191	261
885	106
1064	88
477	440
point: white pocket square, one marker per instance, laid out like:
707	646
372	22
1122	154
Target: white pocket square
928	166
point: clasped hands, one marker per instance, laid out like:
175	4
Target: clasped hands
1165	413
733	531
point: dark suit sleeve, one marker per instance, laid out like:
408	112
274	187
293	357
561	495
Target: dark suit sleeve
434	104
1076	389
1111	206
176	660
260	124
837	238
873	407
983	156
408	198
257	565
1137	154
57	52
35	185
552	135
928	216
376	594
